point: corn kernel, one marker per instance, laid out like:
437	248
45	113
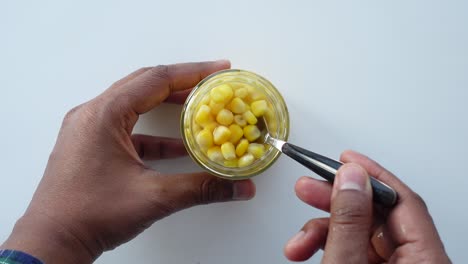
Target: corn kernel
221	134
239	119
242	147
236	85
236	133
222	93
269	114
205	100
251	132
196	128
241	93
250	117
210	126
271	122
214	154
246	160
259	107
204	139
215	107
237	106
225	117
203	115
231	163
228	151
257	95
254	94
257	150
227	92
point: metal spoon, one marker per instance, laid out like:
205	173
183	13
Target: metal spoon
324	166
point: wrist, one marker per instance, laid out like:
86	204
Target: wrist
48	241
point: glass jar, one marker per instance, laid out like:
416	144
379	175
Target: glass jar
277	121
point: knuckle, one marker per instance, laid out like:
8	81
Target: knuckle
348	215
72	112
418	200
161	74
352	214
213	189
81	114
114	112
316	224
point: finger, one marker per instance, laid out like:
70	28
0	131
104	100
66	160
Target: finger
313	236
351	217
152	87
410	211
377	171
309	240
129	77
382	243
314	192
178	97
153	148
181	191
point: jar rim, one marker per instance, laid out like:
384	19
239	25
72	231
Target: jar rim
266	84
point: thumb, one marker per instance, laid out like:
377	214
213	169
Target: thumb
186	190
351	217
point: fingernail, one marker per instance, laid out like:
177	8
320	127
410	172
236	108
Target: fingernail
243	190
352	177
297	238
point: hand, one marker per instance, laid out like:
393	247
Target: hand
96	192
357	232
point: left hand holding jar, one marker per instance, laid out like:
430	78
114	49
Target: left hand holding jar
96	192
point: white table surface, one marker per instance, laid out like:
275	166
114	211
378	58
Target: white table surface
387	78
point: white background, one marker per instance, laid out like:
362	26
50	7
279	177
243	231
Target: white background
387	78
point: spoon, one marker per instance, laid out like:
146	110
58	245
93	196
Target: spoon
324	166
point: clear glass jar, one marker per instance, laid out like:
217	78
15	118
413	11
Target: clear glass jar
277	122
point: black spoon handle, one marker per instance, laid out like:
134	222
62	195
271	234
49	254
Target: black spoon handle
326	167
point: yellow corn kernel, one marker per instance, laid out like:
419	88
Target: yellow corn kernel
214	154
231	163
222	93
254	94
203	115
196	128
236	133
237	106
246	160
204	139
227	92
251	132
241	93
269	114
242	147
259	107
205	100
210	126
250	117
236	85
257	150
215	107
221	134
228	151
239	119
271	122
225	117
